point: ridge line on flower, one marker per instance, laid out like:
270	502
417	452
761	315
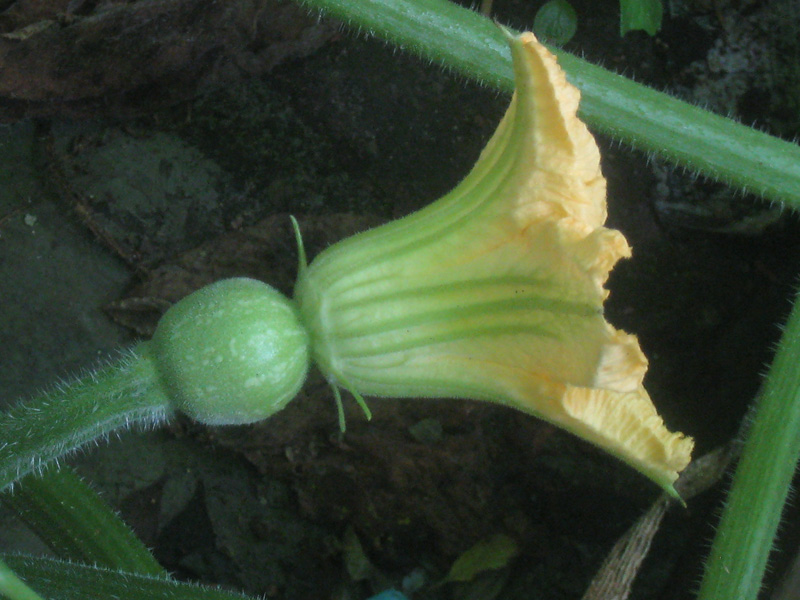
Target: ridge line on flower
495	291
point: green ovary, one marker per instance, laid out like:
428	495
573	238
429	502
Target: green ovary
232	353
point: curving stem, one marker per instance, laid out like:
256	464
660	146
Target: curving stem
45	429
233	352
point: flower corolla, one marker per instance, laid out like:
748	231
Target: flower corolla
495	291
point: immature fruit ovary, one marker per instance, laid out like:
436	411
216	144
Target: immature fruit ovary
233	352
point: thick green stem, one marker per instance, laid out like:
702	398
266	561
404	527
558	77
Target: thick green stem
45	429
649	120
761	484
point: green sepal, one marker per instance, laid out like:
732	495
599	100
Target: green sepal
337	395
302	261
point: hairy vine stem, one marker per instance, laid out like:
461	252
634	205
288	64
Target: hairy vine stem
649	120
45	429
761	484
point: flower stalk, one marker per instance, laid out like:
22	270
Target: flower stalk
230	353
37	432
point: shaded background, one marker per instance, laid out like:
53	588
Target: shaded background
150	147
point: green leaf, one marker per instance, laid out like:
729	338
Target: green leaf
355	559
77	524
640	14
555	22
485	586
487	555
65	580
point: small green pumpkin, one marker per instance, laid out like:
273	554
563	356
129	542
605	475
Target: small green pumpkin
232	352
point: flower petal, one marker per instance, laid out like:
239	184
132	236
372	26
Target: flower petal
495	291
627	425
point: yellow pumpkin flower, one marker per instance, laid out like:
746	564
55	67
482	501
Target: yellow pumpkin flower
495	291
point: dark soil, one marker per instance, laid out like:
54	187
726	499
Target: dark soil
196	184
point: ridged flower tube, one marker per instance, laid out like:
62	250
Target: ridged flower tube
495	291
